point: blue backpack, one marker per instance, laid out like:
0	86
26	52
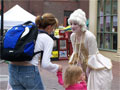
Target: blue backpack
19	42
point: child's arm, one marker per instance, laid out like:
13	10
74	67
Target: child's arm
60	80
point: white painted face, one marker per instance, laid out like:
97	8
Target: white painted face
75	27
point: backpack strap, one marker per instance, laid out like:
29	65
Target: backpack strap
42	31
40	55
39	52
28	22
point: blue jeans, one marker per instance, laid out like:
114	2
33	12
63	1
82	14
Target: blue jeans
25	78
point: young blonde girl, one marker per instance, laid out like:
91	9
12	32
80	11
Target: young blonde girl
73	78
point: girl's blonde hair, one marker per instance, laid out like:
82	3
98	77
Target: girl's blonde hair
72	75
46	20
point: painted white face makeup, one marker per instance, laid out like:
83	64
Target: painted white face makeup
75	27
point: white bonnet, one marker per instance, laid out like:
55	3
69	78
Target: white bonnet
78	16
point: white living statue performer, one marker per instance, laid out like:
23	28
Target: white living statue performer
97	67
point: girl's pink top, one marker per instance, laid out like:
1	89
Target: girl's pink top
78	86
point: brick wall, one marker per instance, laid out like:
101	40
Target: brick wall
57	7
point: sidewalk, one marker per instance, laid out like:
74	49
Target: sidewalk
50	79
116	75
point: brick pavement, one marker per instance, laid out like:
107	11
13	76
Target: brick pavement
53	85
116	75
50	79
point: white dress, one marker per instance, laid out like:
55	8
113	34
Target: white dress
100	76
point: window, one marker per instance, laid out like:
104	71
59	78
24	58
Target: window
107	25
